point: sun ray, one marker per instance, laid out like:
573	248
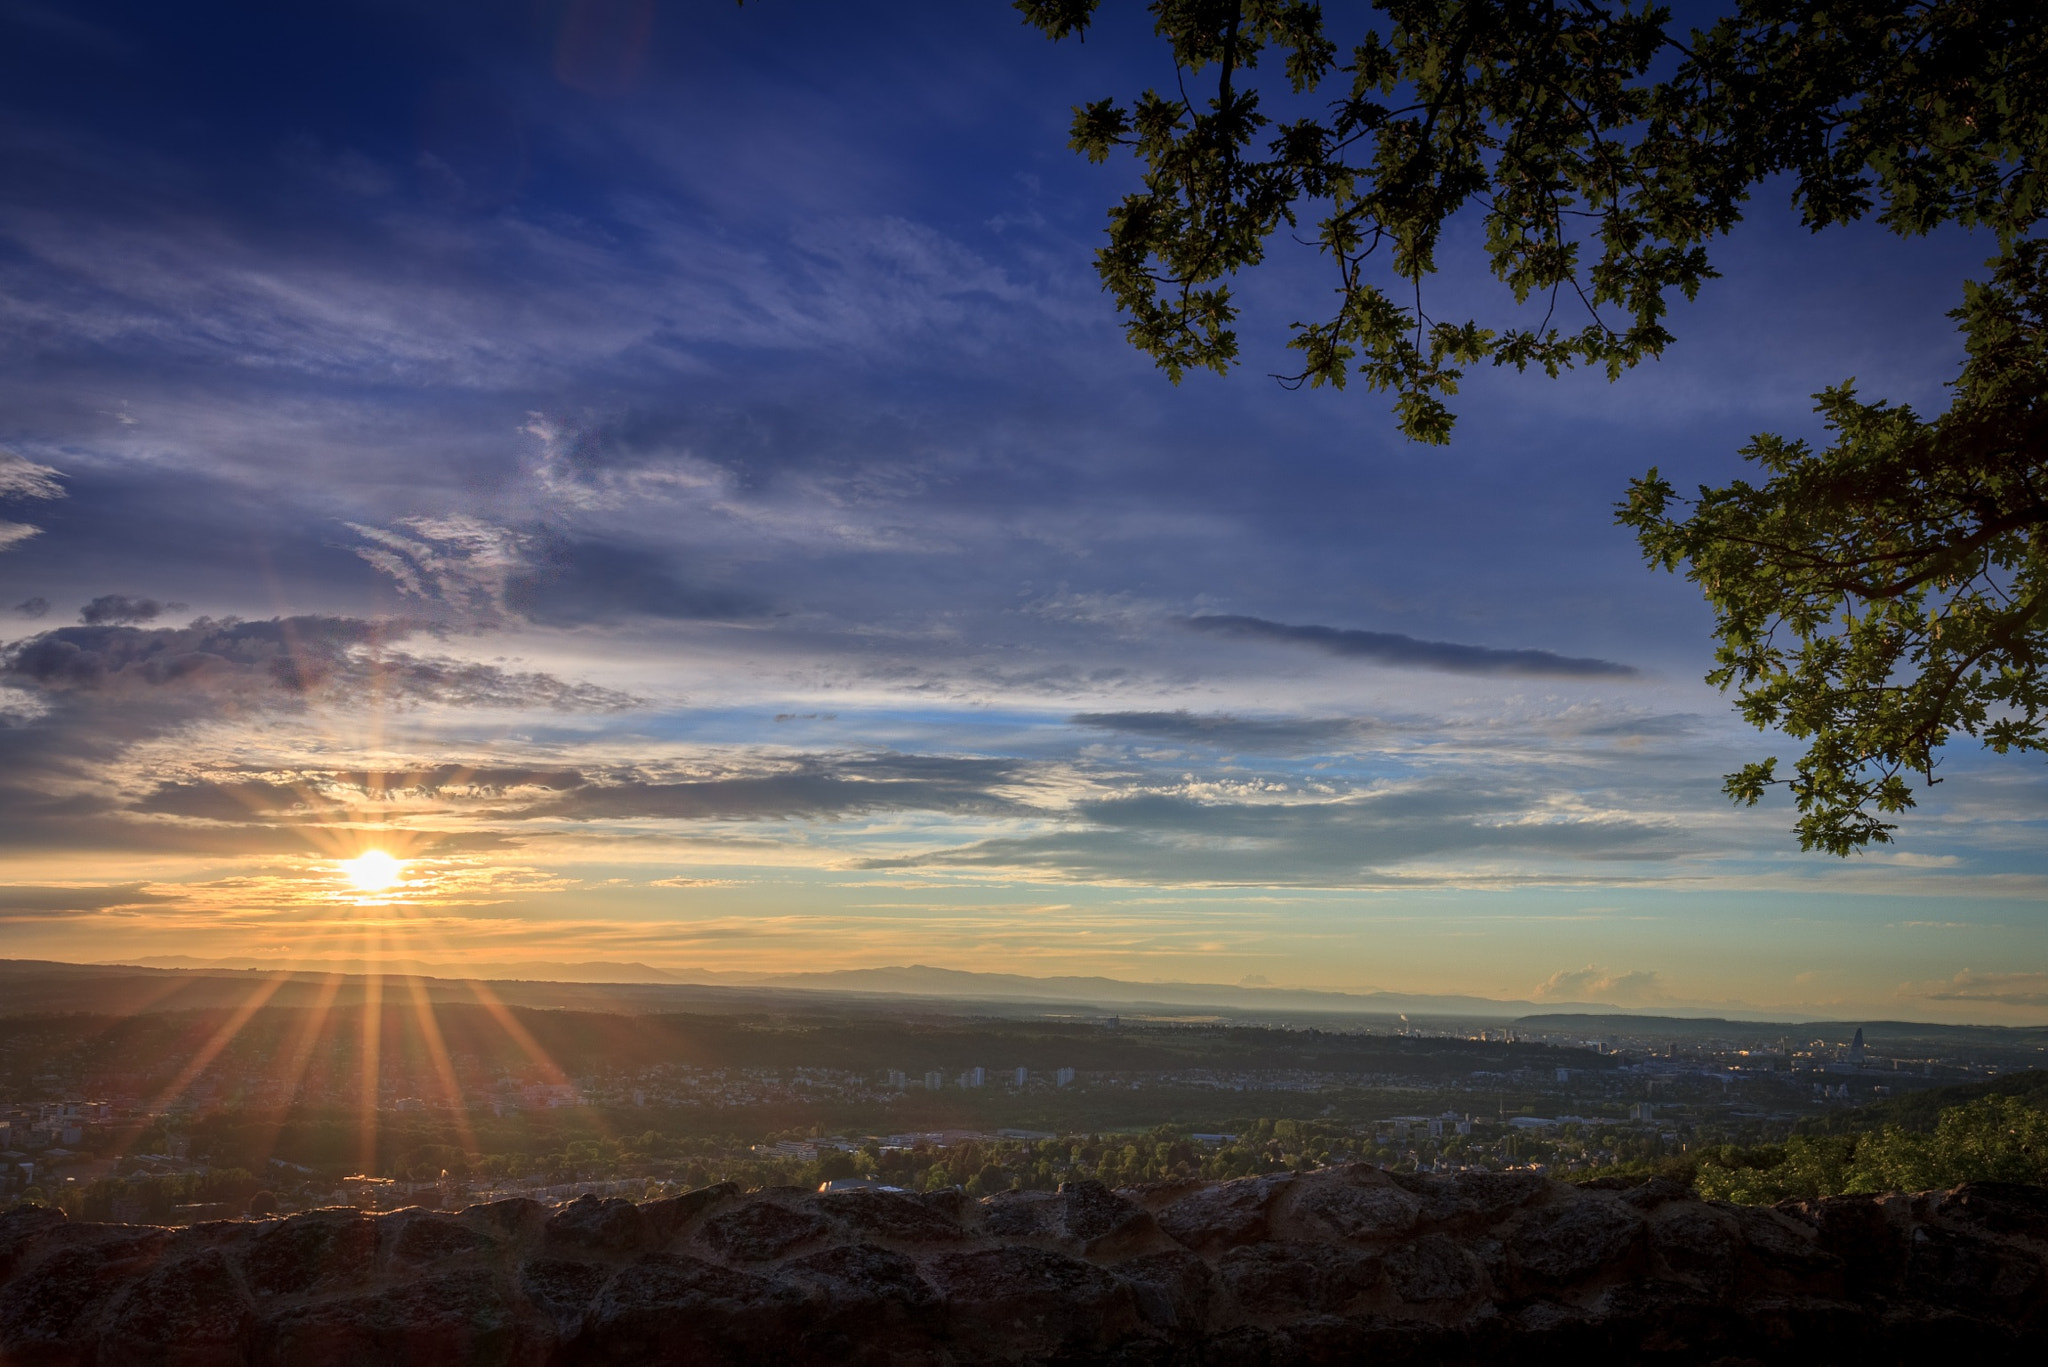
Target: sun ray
291	1071
443	1065
520	1035
307	1037
219	1040
369	1055
502	1016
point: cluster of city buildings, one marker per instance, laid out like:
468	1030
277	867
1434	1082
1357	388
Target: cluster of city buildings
686	1085
1018	1079
33	1126
37	1135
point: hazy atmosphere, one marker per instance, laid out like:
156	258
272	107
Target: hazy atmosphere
538	485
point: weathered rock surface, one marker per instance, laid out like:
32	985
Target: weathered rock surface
1340	1266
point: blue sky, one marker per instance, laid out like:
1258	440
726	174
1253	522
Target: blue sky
676	481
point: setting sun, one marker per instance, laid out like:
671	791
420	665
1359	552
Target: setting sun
373	870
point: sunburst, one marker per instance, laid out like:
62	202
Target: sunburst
373	871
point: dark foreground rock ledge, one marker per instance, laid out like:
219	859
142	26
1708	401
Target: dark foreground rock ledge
1346	1265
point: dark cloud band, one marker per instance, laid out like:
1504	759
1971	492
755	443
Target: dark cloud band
1408	652
1266	735
288	657
118	609
22	900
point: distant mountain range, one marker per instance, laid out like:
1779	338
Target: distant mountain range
31	987
594	971
950	984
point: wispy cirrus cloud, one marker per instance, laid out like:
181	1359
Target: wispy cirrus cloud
487	574
24	479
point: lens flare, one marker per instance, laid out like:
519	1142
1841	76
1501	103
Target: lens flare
373	870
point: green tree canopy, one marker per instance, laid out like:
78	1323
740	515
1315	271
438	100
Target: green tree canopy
1874	599
1602	148
1995	1139
1884	594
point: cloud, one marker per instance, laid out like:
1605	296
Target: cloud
545	576
816	788
236	801
813	787
437	779
287	654
2003	989
568	581
461	683
26	900
284	658
33	607
100	692
1349	840
1269	735
246	799
458	561
25	479
1644	728
1407	652
118	609
1595	984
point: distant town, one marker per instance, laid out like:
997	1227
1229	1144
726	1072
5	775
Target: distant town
203	1114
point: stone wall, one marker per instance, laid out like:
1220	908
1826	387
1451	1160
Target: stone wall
1340	1266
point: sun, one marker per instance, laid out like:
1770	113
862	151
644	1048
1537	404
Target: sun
373	870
